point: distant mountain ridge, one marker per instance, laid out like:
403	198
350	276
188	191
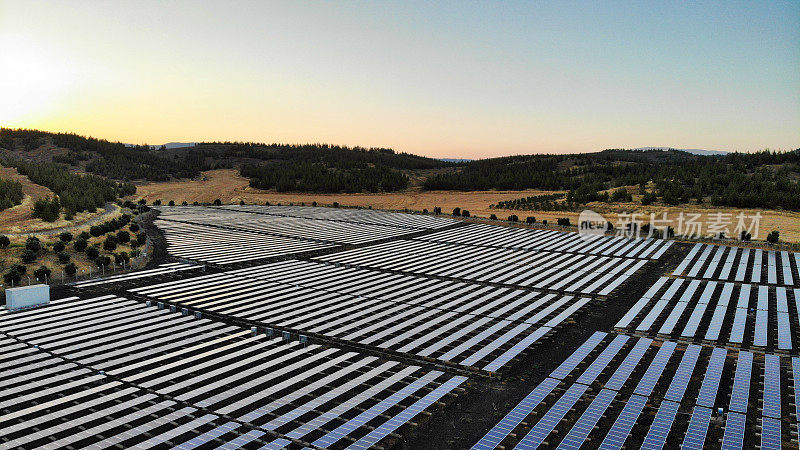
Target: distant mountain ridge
694	151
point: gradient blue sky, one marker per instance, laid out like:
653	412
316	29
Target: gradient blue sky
443	79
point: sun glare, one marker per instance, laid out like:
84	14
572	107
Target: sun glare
32	80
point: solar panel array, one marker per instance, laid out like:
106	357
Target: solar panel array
745	265
231	235
722	312
161	270
107	371
223	246
568	272
332	232
451	321
617	390
366	216
527	239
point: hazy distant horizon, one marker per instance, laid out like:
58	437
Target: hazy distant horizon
445	80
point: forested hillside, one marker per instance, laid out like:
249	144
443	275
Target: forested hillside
306	168
761	180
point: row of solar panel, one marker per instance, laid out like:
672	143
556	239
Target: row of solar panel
551	240
77	362
742	314
306	229
468	324
599	393
161	270
366	216
218	246
582	274
719	262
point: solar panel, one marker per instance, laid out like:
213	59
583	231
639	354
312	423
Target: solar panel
374	436
755	277
772	386
686	260
743	264
657	435
784	334
584	425
578	355
787	268
516	415
760	337
741	383
734	432
651	317
737	329
656	368
700	261
375	410
695	437
796	378
680	380
599	364
694	320
770	434
708	390
538	434
622	427
630	362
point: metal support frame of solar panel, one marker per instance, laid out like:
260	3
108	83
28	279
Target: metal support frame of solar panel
718	262
233	356
468	324
562	272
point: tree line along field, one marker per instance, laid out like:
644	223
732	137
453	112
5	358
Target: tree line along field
86	172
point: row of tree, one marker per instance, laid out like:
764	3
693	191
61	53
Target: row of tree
753	180
10	193
76	193
317	177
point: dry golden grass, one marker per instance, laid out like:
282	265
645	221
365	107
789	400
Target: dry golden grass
19	219
228	186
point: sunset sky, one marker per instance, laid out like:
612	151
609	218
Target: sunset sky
443	79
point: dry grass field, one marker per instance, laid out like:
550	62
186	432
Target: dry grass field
228	186
19	219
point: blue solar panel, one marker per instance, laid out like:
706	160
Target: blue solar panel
734	432
772	386
630	362
741	383
577	356
695	438
656	368
680	380
760	337
708	391
659	430
517	415
770	434
552	417
622	427
375	410
583	427
374	436
796	377
600	363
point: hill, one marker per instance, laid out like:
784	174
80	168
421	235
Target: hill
285	167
